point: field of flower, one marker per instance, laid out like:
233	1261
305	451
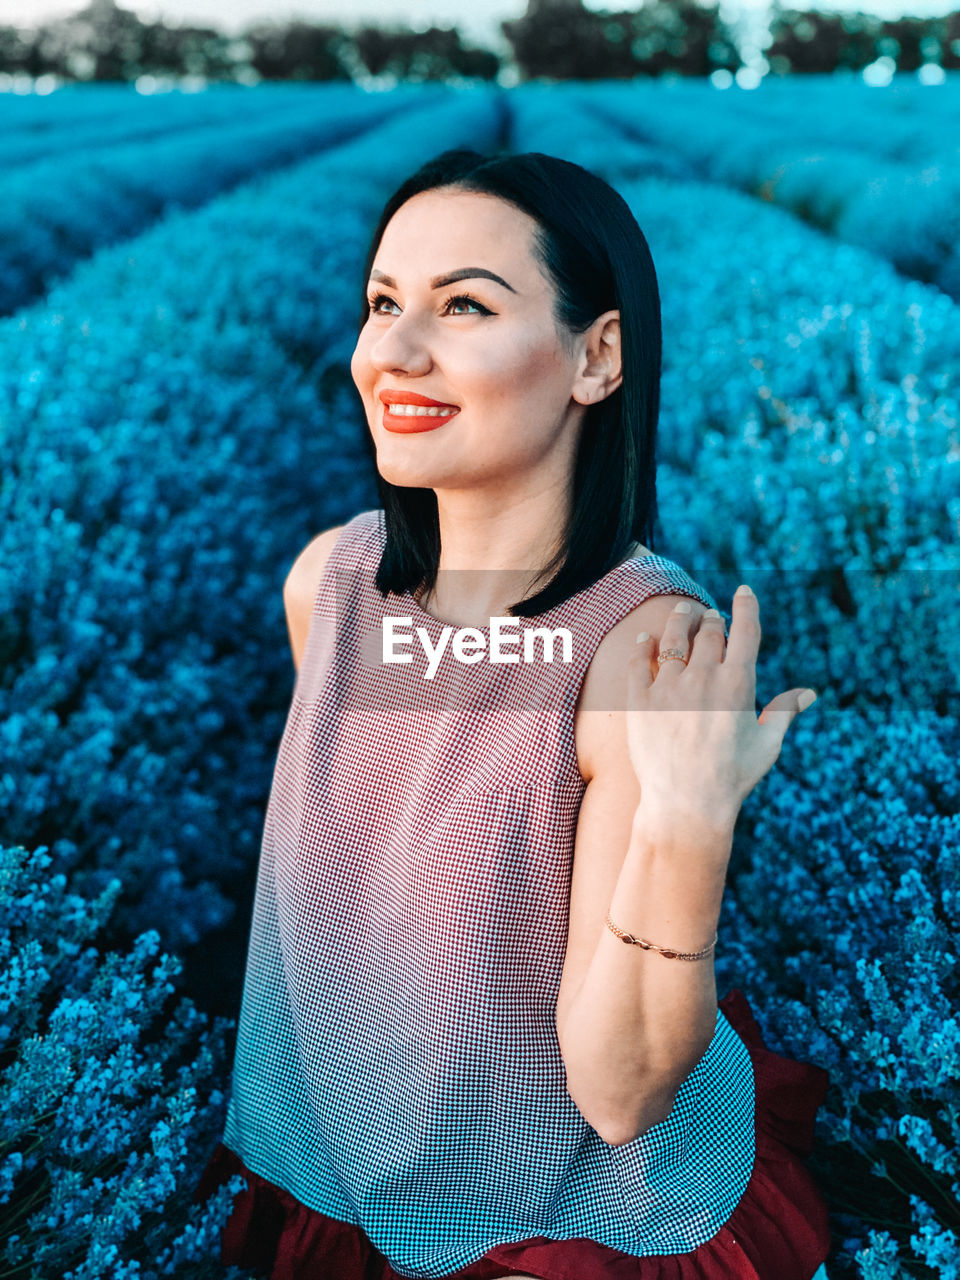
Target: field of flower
179	292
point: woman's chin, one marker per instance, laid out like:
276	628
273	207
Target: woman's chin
398	463
408	477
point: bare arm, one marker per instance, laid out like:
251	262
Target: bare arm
610	1001
640	1022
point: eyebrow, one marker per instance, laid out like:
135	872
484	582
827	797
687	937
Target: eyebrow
464	273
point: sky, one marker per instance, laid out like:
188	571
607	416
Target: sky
479	20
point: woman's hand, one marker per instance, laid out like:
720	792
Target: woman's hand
696	743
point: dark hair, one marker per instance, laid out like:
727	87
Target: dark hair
598	259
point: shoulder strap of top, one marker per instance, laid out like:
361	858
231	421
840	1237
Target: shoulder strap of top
592	613
358	535
670	579
614	595
352	556
599	607
354	547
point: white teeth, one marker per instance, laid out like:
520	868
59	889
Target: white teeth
418	411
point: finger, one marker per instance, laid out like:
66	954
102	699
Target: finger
743	643
781	711
677	638
677	628
710	640
639	674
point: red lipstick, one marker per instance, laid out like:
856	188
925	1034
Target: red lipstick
409	422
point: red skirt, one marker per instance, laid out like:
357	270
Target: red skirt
778	1231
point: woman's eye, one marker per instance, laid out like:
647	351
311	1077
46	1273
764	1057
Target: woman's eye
471	302
374	304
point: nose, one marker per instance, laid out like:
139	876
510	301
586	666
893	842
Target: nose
400	349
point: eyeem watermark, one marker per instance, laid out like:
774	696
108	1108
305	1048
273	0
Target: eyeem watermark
469	644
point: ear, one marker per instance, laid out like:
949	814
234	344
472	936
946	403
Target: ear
602	367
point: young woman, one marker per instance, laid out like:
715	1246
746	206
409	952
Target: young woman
480	1034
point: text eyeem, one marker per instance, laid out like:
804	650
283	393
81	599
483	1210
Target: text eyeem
469	644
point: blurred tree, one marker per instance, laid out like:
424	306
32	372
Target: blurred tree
813	43
682	36
562	41
299	51
900	40
100	42
19	52
949	31
559	39
197	51
555	39
105	42
435	54
911	42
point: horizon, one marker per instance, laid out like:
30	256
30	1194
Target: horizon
479	24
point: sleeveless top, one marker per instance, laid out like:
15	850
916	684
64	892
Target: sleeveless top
397	1064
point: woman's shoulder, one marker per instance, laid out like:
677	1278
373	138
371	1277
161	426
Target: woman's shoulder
341	541
361	528
646	595
341	544
367	521
305	572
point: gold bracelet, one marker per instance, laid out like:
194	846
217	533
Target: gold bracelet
666	952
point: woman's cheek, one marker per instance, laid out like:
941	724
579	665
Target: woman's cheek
359	368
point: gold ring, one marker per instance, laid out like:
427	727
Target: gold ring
672	654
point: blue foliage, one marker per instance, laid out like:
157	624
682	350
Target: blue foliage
885	197
809	445
145	689
116	191
177	420
104	119
145	681
108	1097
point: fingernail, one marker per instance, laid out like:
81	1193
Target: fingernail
743	590
683	607
806	698
712	613
644	635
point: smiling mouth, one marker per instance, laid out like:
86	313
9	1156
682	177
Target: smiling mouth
405	417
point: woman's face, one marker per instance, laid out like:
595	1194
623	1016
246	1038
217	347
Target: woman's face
496	356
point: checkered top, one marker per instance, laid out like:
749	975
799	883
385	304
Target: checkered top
397	1064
